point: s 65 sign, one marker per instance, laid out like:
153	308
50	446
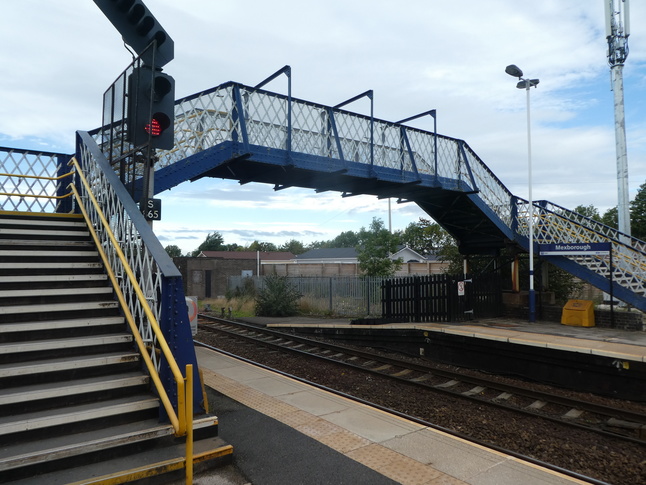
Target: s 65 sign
151	209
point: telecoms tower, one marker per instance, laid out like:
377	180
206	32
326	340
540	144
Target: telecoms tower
617	32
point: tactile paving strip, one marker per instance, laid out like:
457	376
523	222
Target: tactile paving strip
389	462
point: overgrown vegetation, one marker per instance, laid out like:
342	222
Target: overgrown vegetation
240	307
563	284
375	246
279	298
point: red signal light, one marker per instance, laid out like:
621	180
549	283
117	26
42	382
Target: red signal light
157	125
153	128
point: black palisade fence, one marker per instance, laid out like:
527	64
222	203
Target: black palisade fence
441	298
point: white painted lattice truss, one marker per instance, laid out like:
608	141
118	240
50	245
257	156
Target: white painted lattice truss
29	181
139	258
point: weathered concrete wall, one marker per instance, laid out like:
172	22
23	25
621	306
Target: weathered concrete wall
207	277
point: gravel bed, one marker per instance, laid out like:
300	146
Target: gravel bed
588	454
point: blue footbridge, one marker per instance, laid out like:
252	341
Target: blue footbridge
64	216
249	134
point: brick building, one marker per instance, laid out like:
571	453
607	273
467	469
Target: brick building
206	275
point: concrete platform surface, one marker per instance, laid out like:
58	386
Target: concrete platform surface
284	431
615	343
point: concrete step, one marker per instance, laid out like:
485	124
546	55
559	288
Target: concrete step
42	233
77	414
64	446
58	307
61	364
119	454
75	222
47	243
161	464
55	278
61	344
52	265
92	290
6	328
53	390
58	447
22	253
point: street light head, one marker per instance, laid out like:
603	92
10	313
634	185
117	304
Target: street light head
514	70
527	83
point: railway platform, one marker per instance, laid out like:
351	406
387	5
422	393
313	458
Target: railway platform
610	362
286	431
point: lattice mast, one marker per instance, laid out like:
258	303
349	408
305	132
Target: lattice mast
617	32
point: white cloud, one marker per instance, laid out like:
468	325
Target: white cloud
416	55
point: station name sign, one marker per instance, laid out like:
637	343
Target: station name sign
575	249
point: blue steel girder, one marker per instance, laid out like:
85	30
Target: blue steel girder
252	163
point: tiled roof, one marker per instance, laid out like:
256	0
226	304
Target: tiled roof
264	255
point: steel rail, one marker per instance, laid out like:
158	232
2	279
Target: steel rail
549	398
457	434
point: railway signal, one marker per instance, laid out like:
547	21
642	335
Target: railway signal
151	108
139	29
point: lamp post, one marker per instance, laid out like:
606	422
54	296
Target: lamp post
525	84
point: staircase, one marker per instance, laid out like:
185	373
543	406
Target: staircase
75	402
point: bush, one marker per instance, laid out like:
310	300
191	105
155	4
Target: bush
278	298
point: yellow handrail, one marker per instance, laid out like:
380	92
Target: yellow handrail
178	420
189	424
36	176
7	194
40	177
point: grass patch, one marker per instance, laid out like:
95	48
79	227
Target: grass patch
240	307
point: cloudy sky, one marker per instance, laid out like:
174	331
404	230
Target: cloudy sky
59	58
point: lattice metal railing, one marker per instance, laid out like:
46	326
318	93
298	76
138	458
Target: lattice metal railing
142	268
553	223
127	224
234	112
129	241
33	181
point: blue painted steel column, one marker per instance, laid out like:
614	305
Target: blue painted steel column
176	329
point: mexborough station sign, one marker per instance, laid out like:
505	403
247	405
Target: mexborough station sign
575	249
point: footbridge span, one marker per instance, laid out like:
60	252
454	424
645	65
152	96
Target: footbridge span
245	133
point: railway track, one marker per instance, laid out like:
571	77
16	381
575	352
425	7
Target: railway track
607	420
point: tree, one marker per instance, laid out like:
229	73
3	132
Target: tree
449	253
425	236
375	247
610	217
173	250
213	242
588	211
293	246
347	239
638	214
262	246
